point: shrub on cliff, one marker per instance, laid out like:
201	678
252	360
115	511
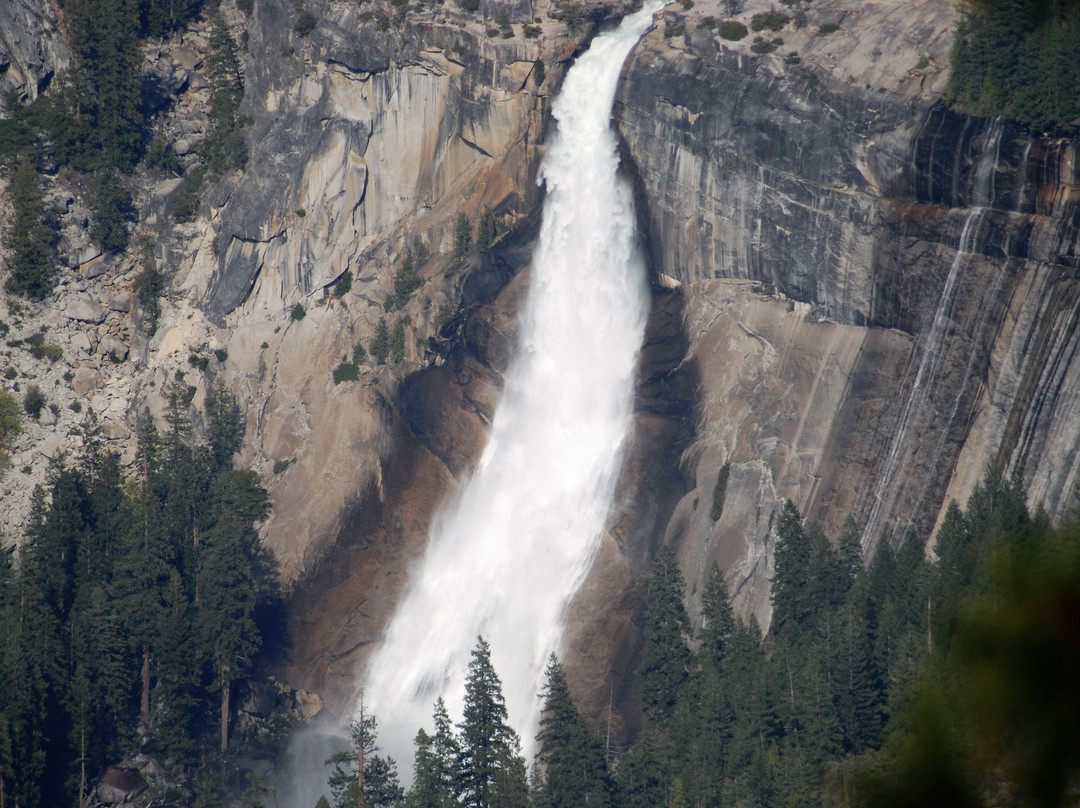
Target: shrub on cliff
769	20
732	30
380	343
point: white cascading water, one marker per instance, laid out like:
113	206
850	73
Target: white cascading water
509	553
982	198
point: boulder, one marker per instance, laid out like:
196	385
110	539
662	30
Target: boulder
80	341
122	302
120	785
86	381
113	345
86	311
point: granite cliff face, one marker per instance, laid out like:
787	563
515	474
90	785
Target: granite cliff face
880	292
861	297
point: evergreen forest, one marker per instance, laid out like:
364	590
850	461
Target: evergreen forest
915	680
96	121
135	610
1019	59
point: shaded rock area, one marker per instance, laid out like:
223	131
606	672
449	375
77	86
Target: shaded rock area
32	48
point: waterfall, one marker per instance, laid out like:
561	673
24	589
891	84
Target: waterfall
506	556
983	192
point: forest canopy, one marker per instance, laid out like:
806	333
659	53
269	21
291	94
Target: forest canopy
1019	59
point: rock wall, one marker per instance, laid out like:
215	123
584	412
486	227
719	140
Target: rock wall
881	293
32	48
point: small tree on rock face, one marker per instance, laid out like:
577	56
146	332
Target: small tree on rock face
380	343
461	235
485	230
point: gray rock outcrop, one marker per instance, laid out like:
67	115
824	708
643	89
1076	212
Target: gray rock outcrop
32	48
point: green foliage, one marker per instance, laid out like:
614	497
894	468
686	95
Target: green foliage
485	230
673	28
343	285
34	401
297	313
435	772
111	209
281	465
491	769
665	659
732	30
40	348
1019	58
94	115
198	362
29	240
769	20
381	786
461	235
396	344
10	419
185	202
380	343
538	66
572	761
224	148
761	45
828	28
720	492
346	372
159	18
160	156
406	281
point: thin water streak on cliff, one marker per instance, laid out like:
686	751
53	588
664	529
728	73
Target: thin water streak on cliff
920	387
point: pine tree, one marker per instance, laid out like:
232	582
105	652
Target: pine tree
435	764
791	576
29	240
492	770
850	549
717	619
574	773
380	343
225	145
461	235
396	344
381	786
642	776
111	208
665	658
227	598
225	425
485	231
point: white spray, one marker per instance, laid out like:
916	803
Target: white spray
507	555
